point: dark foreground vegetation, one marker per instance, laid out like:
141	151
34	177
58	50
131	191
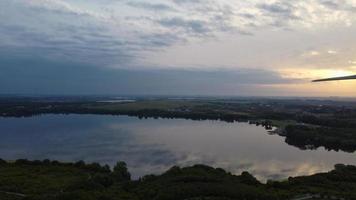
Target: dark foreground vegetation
305	123
52	180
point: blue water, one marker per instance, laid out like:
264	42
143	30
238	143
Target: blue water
154	145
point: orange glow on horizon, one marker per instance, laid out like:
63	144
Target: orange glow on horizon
315	73
304	86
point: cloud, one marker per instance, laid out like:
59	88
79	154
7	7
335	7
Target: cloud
277	8
36	76
150	6
102	36
312	53
280	13
64	32
117	32
63	7
187	1
339	5
332	52
191	26
134	34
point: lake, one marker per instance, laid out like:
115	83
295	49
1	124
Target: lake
154	145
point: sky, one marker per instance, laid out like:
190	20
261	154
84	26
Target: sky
177	47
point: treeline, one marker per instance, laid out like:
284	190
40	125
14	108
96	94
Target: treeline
230	112
330	121
34	109
312	137
52	180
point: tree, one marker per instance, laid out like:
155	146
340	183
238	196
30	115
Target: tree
2	162
121	173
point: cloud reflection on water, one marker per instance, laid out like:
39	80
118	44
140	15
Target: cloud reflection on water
152	146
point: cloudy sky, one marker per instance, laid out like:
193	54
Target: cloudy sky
179	47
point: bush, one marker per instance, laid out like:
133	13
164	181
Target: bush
46	162
80	164
22	162
102	179
2	162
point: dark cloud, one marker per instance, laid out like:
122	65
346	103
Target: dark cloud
330	4
83	38
281	13
191	26
187	1
47	34
215	19
278	8
85	46
248	16
77	40
62	31
338	5
36	76
159	40
150	6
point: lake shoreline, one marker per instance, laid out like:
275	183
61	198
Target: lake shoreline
312	117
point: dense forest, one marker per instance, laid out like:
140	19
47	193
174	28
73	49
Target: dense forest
307	137
47	180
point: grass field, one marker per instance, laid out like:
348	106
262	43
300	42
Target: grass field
146	104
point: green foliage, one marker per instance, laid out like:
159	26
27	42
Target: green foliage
49	180
103	179
2	162
311	137
120	172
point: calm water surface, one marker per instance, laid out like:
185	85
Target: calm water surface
154	145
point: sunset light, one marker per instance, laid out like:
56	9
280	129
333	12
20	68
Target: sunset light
177	99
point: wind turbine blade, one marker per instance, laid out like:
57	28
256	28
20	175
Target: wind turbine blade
336	78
